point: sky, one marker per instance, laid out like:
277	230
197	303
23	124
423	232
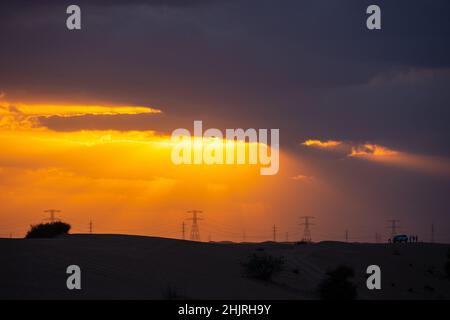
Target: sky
86	116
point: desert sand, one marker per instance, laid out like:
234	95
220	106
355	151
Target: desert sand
137	267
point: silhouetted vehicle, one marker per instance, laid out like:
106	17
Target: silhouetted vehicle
400	238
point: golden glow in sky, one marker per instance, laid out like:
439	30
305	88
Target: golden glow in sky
127	183
124	180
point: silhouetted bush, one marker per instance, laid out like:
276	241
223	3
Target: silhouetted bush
263	267
337	286
428	288
172	293
48	230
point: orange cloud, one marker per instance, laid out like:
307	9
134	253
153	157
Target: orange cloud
387	156
322	144
45	110
371	150
301	177
25	116
69	110
383	155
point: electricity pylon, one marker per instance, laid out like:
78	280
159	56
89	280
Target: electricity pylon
307	231
183	230
195	232
52	217
393	228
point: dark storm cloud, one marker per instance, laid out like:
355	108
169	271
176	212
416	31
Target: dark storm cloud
27	4
307	67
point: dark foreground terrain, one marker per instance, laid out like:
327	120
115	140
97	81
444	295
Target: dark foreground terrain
134	267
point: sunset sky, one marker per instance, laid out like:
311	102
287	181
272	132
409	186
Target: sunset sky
86	116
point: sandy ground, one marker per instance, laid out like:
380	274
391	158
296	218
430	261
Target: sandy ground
133	267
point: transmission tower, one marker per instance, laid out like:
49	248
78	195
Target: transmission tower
287	236
183	230
346	235
90	226
195	232
394	226
52	212
306	230
274	230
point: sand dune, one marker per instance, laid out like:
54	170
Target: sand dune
134	267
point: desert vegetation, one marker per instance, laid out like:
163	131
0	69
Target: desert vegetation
48	230
263	266
337	285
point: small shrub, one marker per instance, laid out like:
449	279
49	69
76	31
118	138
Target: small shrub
172	293
48	230
428	288
336	286
263	267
